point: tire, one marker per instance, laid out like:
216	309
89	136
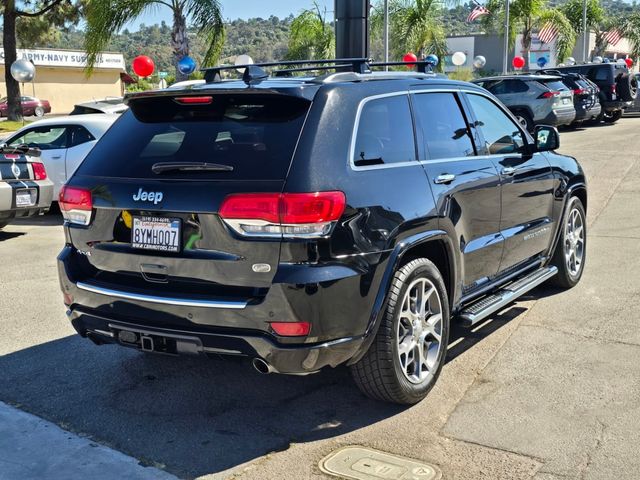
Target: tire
569	272
2	225
384	373
612	117
39	112
627	87
525	120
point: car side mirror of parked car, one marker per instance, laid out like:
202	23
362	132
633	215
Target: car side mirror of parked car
547	138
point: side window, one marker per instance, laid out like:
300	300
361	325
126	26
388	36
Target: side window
44	138
602	74
79	135
385	132
517	86
445	133
501	134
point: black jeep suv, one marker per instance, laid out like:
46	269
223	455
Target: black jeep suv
310	222
618	87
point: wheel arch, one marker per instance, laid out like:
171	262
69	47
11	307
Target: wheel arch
436	247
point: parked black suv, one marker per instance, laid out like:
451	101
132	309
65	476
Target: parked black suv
318	221
618	88
585	96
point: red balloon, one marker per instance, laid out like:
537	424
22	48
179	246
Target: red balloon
518	62
409	58
143	66
629	62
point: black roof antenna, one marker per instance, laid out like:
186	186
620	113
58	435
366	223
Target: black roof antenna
253	75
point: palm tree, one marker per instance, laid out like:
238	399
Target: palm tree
525	16
311	36
630	27
106	17
415	25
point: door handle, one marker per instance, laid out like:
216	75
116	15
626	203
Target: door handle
508	171
444	179
56	157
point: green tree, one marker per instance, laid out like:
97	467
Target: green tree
311	37
525	16
415	25
107	17
630	27
24	11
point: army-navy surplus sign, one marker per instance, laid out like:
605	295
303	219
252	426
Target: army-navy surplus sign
68	58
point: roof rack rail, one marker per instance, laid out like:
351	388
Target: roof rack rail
254	73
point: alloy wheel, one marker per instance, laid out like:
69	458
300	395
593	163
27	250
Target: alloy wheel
574	242
419	331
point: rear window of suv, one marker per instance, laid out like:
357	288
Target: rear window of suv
554	85
255	134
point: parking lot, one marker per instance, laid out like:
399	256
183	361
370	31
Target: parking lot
548	389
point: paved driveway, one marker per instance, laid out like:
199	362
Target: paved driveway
548	389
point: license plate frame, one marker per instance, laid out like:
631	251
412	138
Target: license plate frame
167	240
26	197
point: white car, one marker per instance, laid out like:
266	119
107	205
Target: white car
64	142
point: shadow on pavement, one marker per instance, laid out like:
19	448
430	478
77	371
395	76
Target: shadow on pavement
50	219
9	235
194	416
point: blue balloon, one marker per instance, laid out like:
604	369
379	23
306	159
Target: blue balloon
433	59
186	65
542	61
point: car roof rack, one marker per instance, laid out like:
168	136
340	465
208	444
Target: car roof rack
255	73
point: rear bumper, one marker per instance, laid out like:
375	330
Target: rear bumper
563	116
336	300
286	359
583	113
8	209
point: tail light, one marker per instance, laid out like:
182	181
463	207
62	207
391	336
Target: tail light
289	215
580	91
39	172
291	329
613	88
76	205
204	100
549	95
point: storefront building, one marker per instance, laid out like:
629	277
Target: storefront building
61	77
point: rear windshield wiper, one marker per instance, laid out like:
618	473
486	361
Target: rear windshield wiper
160	168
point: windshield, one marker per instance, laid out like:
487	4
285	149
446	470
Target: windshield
255	134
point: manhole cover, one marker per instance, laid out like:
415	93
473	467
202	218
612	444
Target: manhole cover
361	463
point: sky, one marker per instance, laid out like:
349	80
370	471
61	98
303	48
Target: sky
232	9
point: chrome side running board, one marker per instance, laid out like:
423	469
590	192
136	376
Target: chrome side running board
182	302
481	309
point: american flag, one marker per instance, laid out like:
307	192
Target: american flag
547	33
613	36
477	13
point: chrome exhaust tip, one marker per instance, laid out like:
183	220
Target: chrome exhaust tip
262	367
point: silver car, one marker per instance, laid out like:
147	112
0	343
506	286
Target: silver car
25	187
533	99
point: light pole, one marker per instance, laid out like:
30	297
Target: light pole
505	58
386	33
585	33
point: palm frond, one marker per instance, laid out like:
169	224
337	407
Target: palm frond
206	16
630	27
566	39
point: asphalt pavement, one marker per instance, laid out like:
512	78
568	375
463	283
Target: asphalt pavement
547	389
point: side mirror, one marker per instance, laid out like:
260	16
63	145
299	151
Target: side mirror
547	138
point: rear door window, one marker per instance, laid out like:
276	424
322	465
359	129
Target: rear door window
554	85
385	132
255	134
445	135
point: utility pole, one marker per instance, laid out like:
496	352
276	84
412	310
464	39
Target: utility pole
585	32
505	58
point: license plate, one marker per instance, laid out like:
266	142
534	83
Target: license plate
156	233
565	101
26	197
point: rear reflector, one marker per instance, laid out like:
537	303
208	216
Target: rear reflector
283	214
76	205
194	100
39	172
291	329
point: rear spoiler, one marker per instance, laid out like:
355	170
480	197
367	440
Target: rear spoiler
20	150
